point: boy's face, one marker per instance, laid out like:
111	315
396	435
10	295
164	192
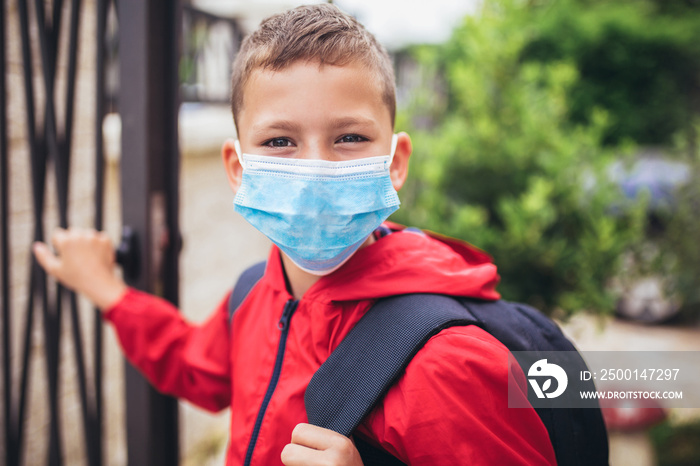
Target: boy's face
316	112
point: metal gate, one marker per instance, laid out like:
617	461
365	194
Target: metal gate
38	317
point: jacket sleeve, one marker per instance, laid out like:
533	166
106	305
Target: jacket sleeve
178	358
451	407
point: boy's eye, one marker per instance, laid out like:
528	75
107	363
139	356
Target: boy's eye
350	138
278	142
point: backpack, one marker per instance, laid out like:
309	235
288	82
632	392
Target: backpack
375	352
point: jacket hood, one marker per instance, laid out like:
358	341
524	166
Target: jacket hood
406	261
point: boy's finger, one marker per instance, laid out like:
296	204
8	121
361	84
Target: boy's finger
315	437
58	236
293	455
47	260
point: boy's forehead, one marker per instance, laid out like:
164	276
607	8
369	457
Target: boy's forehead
303	70
352	90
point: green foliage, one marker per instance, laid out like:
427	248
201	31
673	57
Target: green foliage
677	445
683	245
637	59
678	253
501	166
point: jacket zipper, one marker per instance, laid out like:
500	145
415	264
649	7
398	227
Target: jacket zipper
283	325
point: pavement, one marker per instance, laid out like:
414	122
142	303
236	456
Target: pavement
593	333
218	244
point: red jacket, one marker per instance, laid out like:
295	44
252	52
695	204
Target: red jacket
450	406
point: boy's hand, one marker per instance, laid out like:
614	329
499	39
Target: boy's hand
84	262
312	445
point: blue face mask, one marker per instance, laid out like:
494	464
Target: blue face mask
317	212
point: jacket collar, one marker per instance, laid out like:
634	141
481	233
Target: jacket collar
406	261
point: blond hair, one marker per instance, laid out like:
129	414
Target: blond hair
315	33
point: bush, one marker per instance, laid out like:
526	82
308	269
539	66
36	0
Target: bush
678	246
677	445
638	59
500	164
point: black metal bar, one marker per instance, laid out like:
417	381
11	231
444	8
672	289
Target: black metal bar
58	141
48	45
38	165
100	111
66	145
194	21
8	406
98	418
55	29
24	375
148	106
86	400
63	171
171	271
52	329
37	189
101	26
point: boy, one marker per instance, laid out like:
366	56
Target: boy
316	168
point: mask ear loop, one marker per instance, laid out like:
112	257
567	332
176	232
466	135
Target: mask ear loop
239	153
394	141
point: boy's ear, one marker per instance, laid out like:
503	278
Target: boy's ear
399	165
232	164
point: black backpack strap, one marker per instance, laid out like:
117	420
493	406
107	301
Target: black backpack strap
518	326
377	350
245	283
374	456
578	435
372	356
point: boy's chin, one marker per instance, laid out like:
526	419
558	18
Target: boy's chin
290	263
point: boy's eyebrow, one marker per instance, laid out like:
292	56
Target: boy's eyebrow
292	126
284	125
351	121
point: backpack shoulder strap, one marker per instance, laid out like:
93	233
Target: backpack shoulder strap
367	362
245	283
518	326
373	354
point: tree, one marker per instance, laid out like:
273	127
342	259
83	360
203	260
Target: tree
504	167
637	59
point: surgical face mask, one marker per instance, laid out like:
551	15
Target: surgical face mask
318	212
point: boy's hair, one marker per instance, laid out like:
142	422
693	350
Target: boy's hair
315	33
